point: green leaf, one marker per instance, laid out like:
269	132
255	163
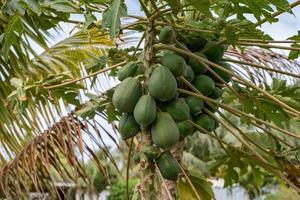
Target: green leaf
34	6
12	32
294	54
112	17
201	5
282	5
175	5
202	186
61	6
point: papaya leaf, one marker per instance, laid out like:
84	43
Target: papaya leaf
202	186
175	5
294	54
13	30
112	17
201	5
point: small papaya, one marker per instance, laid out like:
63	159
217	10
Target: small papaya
193	42
127	94
128	70
127	126
175	63
151	152
196	105
145	111
164	131
197	67
214	51
178	109
204	84
162	84
185	129
206	122
224	75
167	35
168	166
188	73
218	92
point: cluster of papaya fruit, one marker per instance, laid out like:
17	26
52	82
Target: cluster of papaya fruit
154	104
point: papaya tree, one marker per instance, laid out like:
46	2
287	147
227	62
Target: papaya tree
148	105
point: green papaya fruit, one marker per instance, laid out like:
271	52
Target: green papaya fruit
145	111
164	131
196	105
128	127
206	122
183	47
127	94
218	92
178	109
197	67
188	73
214	51
225	76
162	84
168	166
204	84
193	42
167	35
151	152
212	108
175	63
128	70
185	129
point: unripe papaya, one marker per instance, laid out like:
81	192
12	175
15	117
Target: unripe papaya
193	42
206	122
218	92
204	84
212	108
128	70
145	111
188	73
167	35
127	126
151	152
127	94
214	51
168	166
175	63
197	67
178	109
162	84
164	131
195	104
185	129
224	75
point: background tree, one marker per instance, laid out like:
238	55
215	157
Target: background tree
55	105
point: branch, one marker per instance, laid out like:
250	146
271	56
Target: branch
84	77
